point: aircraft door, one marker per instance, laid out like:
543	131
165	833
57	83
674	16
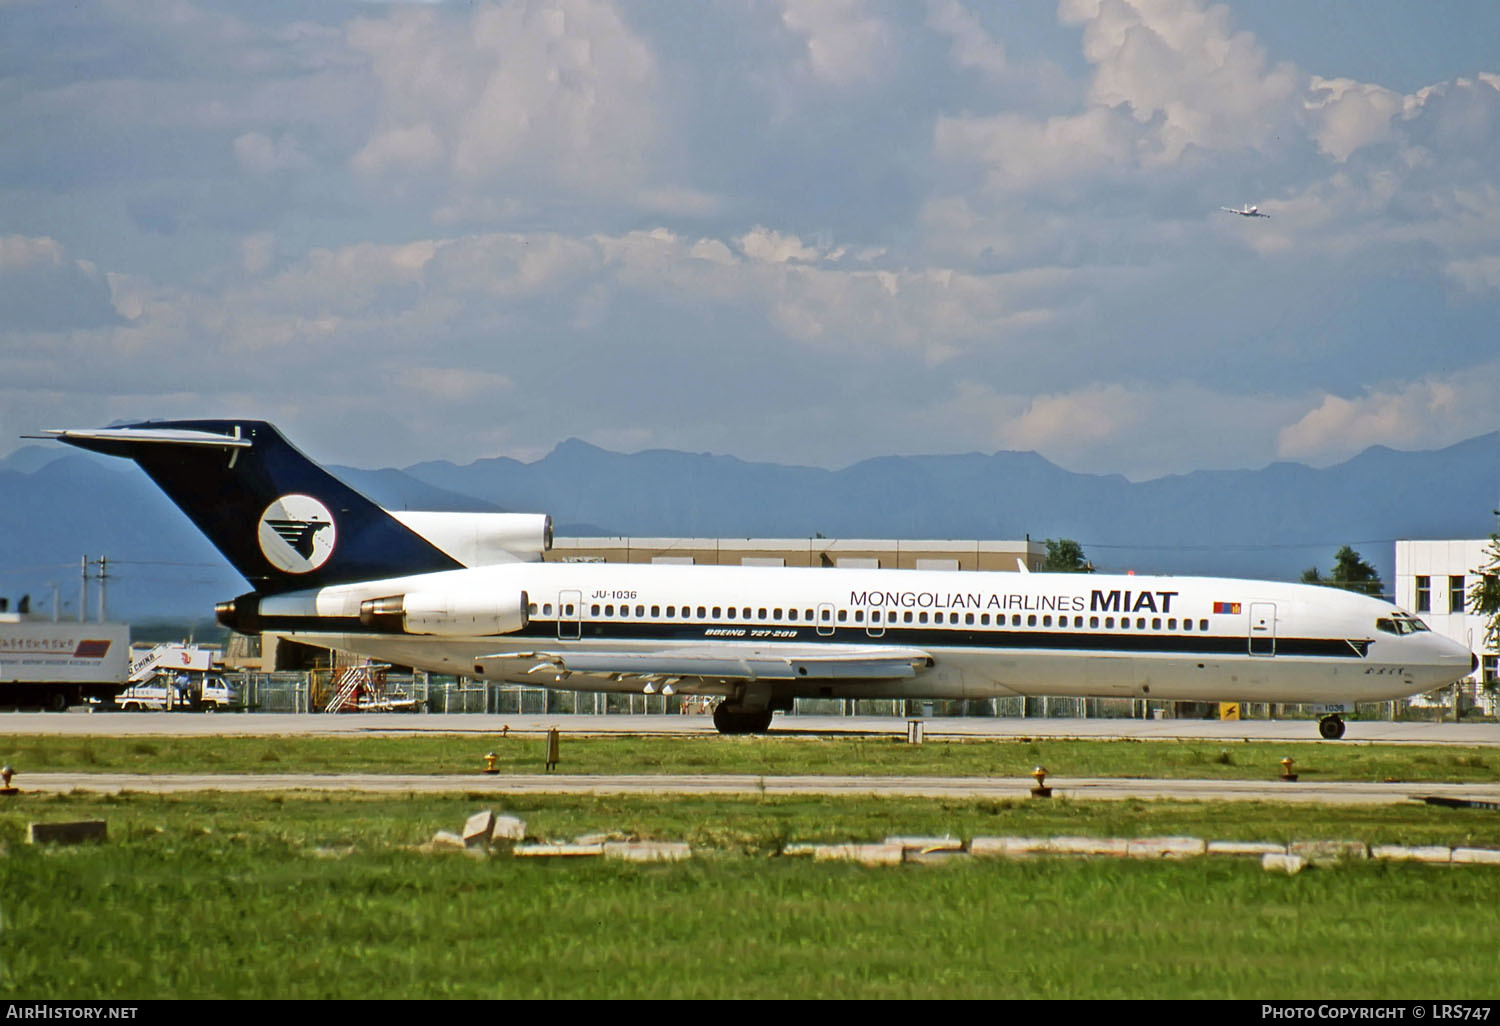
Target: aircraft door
569	615
825	618
1262	628
875	618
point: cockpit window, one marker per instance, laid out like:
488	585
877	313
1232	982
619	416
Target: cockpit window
1400	623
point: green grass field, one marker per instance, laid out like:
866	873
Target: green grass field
767	756
308	896
302	895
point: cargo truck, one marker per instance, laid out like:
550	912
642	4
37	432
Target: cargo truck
53	664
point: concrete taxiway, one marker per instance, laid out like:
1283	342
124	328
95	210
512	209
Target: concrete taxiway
118	724
995	788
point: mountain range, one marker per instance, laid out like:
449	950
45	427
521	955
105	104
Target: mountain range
56	505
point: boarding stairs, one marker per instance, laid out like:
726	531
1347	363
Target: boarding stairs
347	687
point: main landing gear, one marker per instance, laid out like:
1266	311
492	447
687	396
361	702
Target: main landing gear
1331	727
736	719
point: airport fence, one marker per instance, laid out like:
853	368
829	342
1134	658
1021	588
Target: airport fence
301	692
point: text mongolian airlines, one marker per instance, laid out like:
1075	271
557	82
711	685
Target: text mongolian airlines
469	594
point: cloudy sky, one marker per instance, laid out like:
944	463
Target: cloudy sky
807	231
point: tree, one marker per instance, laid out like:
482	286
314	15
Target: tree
1065	556
1484	596
1350	572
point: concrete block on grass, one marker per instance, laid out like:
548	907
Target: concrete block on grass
865	854
1115	847
648	851
1256	848
67	833
1010	847
1407	853
927	844
1323	853
508	828
1166	847
446	840
478	829
1291	865
557	850
1476	856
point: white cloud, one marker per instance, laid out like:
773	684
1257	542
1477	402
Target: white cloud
21	251
1350	115
556	92
1433	412
259	154
845	43
1180	67
772	247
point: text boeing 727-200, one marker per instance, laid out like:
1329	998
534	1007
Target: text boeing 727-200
468	594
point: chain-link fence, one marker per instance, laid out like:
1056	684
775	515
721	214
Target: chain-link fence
423	693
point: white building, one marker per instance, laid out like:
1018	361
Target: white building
1433	580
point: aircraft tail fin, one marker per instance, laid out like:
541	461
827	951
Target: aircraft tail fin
281	520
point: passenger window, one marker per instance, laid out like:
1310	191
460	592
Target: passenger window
746	611
717	612
859	616
609	610
531	609
984	619
1047	620
968	619
547	609
729	613
594	609
843	615
1093	621
1156	623
1031	620
1187	625
655	611
1172	624
1077	621
569	610
922	617
1015	619
671	612
640	610
907	616
1203	625
776	614
791	614
762	612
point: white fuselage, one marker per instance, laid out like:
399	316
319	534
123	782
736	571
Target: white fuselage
988	634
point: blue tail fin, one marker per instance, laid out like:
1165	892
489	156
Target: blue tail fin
284	522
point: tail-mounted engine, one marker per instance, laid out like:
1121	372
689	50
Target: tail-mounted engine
446	614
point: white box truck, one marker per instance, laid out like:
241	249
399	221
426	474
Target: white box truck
56	663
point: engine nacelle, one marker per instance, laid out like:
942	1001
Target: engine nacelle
483	539
447	614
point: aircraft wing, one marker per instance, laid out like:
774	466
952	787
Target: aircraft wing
735	662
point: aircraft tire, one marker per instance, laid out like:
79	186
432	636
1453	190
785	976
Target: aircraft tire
738	720
1331	728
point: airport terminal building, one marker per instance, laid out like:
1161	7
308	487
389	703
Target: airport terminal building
1433	580
865	554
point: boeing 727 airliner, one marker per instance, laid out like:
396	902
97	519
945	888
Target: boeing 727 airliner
468	594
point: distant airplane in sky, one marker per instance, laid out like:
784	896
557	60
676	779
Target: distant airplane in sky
1246	211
